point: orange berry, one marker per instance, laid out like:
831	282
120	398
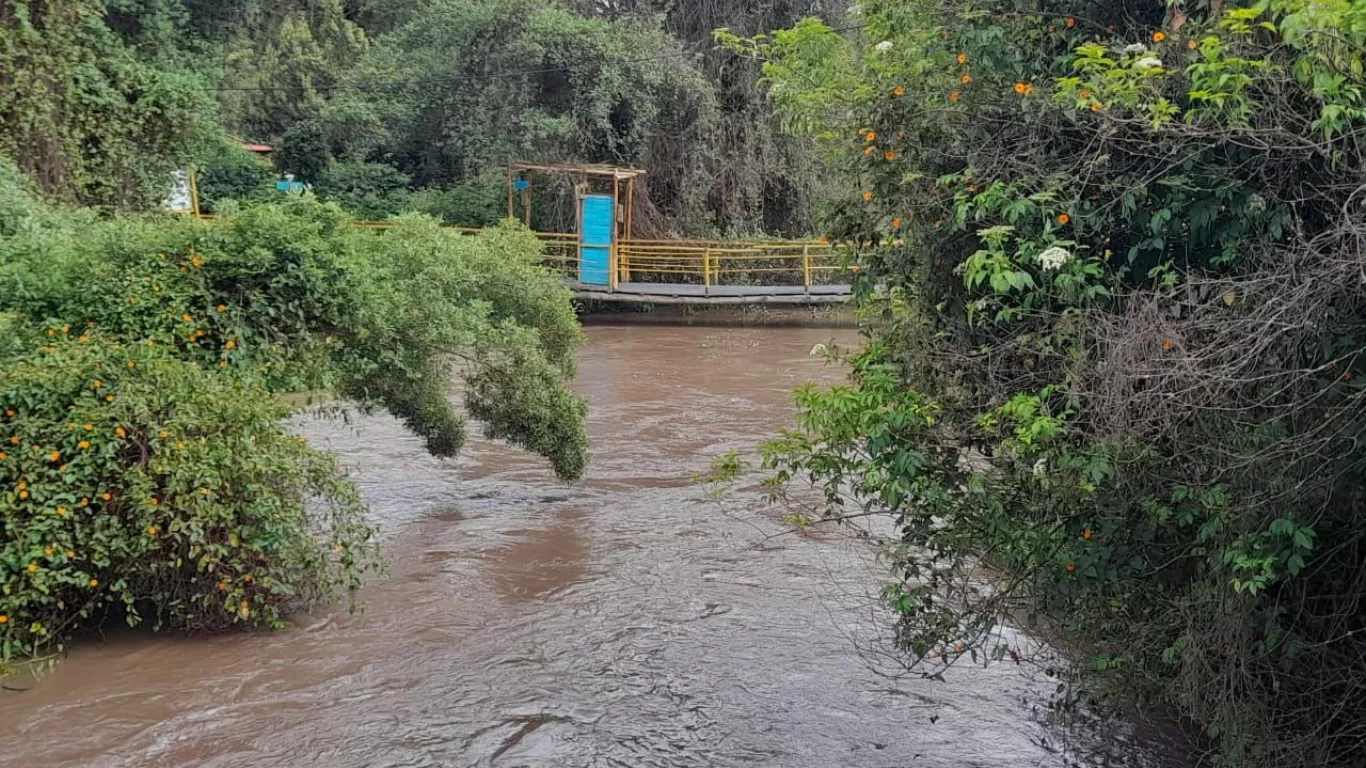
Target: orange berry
1071	567
222	308
962	58
1086	534
121	432
1095	106
953	96
966	78
896	223
55	456
868	197
94	583
1071	22
1159	36
889	156
4	619
1167	345
1063	219
898	91
1020	88
84	445
1192	45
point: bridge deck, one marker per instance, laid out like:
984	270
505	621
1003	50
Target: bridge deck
715	295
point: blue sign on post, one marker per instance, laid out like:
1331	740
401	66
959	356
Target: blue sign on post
289	186
521	185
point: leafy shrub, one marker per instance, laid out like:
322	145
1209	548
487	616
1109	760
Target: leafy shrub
142	364
478	201
1117	352
232	173
132	479
366	190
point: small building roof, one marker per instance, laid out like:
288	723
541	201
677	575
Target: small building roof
262	148
585	169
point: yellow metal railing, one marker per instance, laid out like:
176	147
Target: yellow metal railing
705	262
712	263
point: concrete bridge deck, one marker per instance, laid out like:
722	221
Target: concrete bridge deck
714	295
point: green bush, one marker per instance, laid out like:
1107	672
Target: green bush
478	201
366	190
1111	260
134	480
233	173
143	363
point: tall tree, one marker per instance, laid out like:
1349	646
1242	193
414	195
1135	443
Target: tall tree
83	116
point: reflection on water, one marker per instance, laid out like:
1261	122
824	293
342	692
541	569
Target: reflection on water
624	621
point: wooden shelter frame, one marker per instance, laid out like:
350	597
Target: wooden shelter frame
623	223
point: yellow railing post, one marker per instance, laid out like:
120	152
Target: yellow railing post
806	266
706	270
612	266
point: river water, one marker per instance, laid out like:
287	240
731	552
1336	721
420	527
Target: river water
630	620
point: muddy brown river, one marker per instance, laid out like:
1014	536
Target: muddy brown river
629	620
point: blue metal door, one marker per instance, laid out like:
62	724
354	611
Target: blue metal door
595	239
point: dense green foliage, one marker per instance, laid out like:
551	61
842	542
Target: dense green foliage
409	105
1115	360
144	462
87	118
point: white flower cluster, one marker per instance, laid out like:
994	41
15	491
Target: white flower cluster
1136	48
1149	62
1053	258
884	46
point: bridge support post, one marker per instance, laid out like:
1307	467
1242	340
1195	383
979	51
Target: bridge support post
806	266
706	270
